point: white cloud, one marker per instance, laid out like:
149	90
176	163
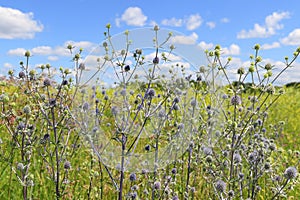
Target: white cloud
193	22
17	52
188	40
292	39
172	22
270	46
16	24
272	24
132	16
53	58
42	50
225	20
8	65
206	46
211	25
54	52
231	50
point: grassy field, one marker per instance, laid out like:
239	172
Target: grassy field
83	176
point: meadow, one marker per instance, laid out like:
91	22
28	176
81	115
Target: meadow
181	136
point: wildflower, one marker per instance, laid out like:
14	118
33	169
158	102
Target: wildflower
67	165
241	71
176	100
290	173
237	158
144	171
123	92
147	147
209	159
133	195
194	102
236	100
52	102
21	74
161	113
65	82
175	198
156	185
85	106
47	82
132	177
252	156
27	109
127	68
174	170
207	151
155	60
27	54
231	193
21	126
20	166
150	93
114	110
220	186
82	66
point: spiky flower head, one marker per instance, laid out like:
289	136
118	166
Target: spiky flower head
220	186
236	100
290	173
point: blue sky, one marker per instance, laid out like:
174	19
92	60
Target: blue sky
46	27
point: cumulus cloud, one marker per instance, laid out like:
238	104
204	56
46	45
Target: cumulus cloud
272	24
42	50
8	65
293	38
211	25
191	22
17	52
132	16
172	22
187	40
206	46
231	50
225	20
54	52
15	24
270	46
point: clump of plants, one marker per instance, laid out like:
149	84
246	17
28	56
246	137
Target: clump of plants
134	123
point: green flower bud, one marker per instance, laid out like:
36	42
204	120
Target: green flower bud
10	72
70	46
270	73
268	66
257	47
77	56
251	69
27	54
258	59
156	28
108	26
217	47
241	70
